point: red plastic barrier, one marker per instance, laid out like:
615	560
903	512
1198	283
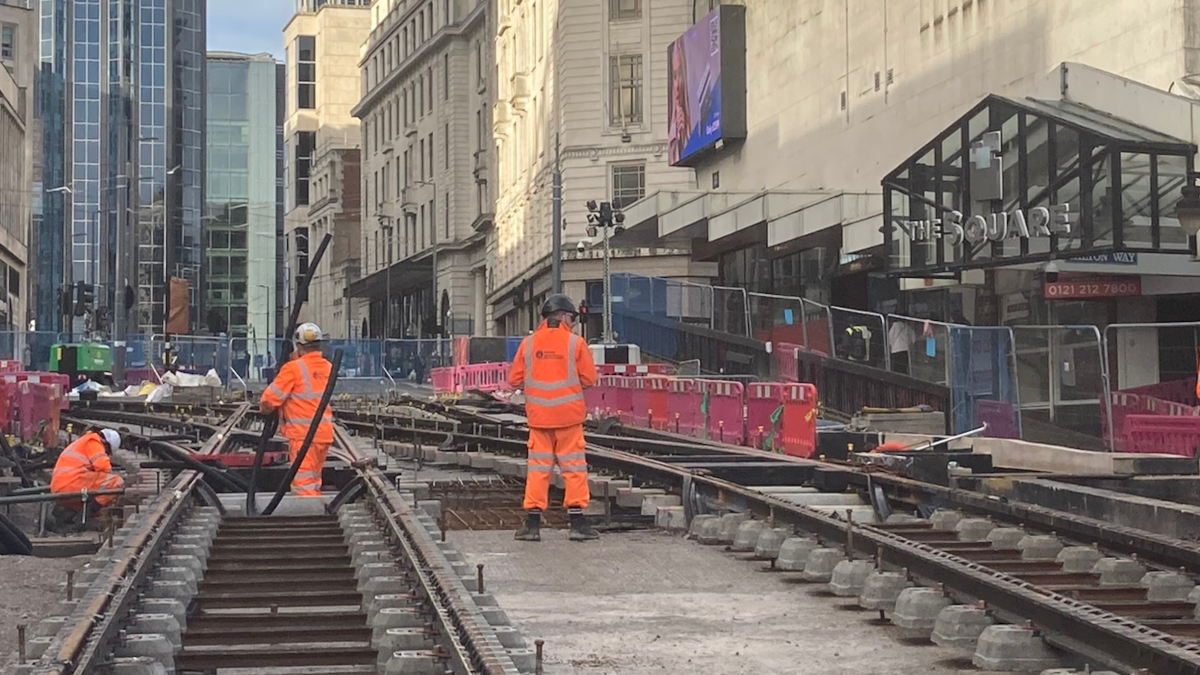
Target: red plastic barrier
683	408
658	392
631	370
726	410
1162	434
762	400
11	366
800	419
786	361
462	351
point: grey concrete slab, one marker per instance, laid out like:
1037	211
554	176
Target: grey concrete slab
652	602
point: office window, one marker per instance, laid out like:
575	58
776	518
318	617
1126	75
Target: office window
431	146
478	63
306	72
429	79
421	24
8	41
445	77
422	159
302	252
406	165
629	184
625	100
429	18
446	144
421	96
624	9
306	142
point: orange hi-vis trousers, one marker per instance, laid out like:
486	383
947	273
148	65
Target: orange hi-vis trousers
566	447
307	482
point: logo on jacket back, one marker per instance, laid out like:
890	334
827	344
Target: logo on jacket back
545	354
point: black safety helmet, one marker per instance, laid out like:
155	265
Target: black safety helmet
558	303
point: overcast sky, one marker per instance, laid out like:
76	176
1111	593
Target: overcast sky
249	26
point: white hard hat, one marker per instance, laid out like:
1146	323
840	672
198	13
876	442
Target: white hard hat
112	439
308	333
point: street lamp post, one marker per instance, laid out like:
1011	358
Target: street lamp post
387	227
604	217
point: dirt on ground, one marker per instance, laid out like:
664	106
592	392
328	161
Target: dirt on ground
29	591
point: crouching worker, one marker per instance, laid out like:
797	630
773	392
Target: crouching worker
296	394
86	465
552	366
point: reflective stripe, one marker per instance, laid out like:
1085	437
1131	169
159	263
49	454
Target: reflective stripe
277	391
305	422
548	456
539	468
304	377
573	457
75	453
307	397
572	380
551	402
574	469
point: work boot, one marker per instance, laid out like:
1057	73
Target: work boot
532	529
581	529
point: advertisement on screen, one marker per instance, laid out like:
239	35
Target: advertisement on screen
706	81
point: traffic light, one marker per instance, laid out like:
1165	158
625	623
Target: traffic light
66	300
604	215
101	319
85	296
583	308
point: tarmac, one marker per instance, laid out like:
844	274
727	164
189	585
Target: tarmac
652	602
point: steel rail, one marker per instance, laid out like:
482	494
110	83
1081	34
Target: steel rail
461	633
97	621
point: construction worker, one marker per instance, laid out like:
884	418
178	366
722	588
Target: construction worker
85	465
296	394
553	365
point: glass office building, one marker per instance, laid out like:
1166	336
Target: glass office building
243	206
121	95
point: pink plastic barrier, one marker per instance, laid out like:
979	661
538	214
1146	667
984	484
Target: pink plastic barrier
37	410
10	366
63	382
786	362
484	377
683	408
726	410
1179	391
629	370
999	417
594	398
800	419
762	400
637	414
621	405
444	380
1162	434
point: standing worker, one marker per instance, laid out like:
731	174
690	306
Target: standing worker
86	465
296	394
553	365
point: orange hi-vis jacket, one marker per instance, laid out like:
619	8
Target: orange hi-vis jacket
553	366
87	455
296	393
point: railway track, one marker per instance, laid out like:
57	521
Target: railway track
190	586
370	583
1008	556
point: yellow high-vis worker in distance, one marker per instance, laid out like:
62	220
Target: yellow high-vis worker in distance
552	366
296	394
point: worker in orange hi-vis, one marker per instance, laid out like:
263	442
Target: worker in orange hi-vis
296	394
552	366
86	465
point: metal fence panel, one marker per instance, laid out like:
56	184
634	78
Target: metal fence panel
984	380
1062	382
859	336
922	349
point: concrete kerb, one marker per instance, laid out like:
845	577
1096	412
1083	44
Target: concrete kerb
769	542
1077	559
709	532
1006	538
1119	571
1167	586
849	577
820	564
730	522
882	589
746	537
974	529
918	608
945	520
794	552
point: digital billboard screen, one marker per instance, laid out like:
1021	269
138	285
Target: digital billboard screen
706	79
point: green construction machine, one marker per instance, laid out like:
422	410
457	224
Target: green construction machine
83	361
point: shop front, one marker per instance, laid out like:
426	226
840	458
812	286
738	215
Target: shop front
1059	221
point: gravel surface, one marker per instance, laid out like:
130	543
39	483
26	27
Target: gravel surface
649	602
28	591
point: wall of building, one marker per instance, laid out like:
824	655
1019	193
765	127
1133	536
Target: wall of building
556	77
907	68
338	32
18	54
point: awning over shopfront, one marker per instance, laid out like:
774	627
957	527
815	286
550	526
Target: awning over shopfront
1020	181
403	276
676	218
